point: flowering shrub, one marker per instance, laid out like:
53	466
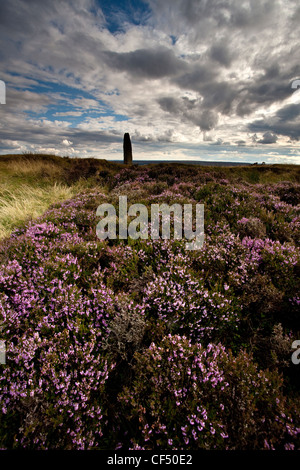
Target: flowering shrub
142	344
185	396
184	306
251	227
57	370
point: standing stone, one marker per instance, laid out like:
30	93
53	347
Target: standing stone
127	149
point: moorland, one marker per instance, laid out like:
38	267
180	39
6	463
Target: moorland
141	344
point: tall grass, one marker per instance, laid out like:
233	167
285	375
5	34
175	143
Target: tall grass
39	168
29	184
28	202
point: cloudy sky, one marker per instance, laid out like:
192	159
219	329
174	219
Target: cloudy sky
188	79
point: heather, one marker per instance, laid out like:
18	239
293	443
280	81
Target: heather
141	344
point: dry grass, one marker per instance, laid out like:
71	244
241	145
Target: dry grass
39	168
27	202
30	184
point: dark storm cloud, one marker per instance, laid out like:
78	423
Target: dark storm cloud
221	53
196	76
146	63
268	138
170	104
220	96
285	122
190	110
207	120
216	97
291	130
288	113
266	90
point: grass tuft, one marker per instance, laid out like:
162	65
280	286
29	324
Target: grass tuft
27	202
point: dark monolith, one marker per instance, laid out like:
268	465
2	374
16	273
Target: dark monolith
127	149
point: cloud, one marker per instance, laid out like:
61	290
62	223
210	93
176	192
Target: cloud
217	142
222	54
145	63
289	113
19	100
268	138
167	72
190	110
67	142
68	113
285	122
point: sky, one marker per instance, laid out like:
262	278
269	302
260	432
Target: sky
188	79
